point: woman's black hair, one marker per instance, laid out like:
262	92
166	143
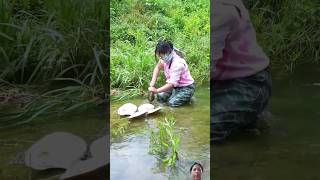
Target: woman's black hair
165	47
196	163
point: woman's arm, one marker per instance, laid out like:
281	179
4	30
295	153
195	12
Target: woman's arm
165	88
155	74
225	18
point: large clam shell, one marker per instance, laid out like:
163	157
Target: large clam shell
154	110
127	109
56	150
145	107
137	114
93	168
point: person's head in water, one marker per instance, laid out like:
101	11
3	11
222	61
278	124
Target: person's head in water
164	51
196	171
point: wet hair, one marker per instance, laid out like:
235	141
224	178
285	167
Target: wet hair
165	47
196	163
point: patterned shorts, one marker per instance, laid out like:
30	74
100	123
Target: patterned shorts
177	96
237	103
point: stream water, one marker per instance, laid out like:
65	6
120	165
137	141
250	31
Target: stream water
129	155
291	148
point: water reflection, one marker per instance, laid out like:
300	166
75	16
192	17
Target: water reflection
289	150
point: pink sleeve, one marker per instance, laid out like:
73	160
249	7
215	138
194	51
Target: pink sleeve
225	17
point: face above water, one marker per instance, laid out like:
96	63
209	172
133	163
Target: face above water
196	172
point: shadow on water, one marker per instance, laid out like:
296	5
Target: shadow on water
291	147
129	154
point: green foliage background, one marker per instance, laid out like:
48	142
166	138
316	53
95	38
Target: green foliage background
288	30
136	26
52	53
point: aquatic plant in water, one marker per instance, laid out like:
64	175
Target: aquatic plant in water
118	127
165	142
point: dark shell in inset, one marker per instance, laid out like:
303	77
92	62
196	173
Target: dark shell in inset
56	150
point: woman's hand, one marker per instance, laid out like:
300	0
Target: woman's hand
152	83
152	89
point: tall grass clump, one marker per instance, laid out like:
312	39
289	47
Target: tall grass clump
57	46
164	143
136	26
288	30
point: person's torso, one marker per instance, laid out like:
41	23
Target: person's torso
242	56
185	76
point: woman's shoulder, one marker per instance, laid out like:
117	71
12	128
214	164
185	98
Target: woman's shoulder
179	63
177	57
225	11
230	9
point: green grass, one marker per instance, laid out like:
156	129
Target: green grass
136	26
58	46
288	31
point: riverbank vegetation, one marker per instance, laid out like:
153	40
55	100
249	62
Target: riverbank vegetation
136	26
288	30
53	58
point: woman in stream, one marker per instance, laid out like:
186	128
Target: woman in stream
240	79
179	87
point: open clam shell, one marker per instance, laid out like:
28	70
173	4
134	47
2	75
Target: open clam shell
56	150
93	168
137	114
154	110
127	109
145	107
